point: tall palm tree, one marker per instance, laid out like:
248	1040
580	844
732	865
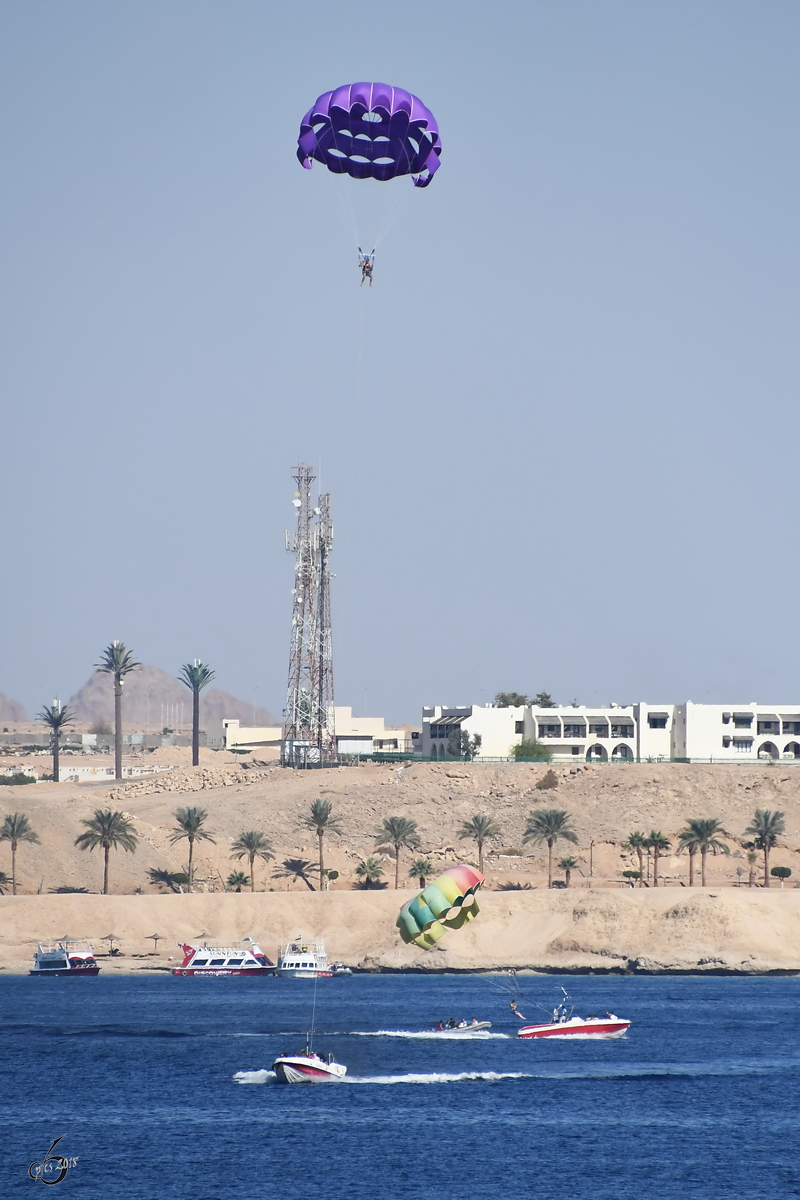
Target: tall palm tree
752	859
480	829
190	823
57	718
196	676
117	660
701	834
254	844
109	830
636	845
767	827
296	868
658	843
322	822
420	869
549	825
568	865
15	829
398	832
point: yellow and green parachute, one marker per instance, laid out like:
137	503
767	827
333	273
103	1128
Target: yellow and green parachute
447	903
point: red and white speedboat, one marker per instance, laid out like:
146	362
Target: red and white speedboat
307	1067
245	959
564	1023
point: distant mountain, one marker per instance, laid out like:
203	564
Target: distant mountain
151	699
11	710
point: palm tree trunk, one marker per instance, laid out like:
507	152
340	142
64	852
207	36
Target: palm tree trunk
766	865
196	729
117	727
396	867
480	857
191	864
55	757
106	852
13	868
641	866
320	837
691	868
252	872
703	853
568	876
655	866
549	862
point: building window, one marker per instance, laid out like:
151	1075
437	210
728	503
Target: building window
767	727
519	727
575	731
742	721
656	722
599	730
743	745
576	749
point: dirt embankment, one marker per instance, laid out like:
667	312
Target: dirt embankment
730	930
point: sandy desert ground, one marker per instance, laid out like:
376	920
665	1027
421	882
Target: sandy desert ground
597	924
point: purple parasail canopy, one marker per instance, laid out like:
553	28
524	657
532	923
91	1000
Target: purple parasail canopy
371	131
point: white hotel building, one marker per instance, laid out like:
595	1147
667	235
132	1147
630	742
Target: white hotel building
687	732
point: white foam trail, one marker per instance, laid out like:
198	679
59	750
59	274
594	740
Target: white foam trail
458	1035
441	1077
255	1077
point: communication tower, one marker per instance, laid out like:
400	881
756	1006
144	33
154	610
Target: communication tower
309	735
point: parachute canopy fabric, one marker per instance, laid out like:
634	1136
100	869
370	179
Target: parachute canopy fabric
448	902
371	131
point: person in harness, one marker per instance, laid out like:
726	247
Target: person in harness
367	264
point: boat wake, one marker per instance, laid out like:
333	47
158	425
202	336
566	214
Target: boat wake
448	1035
441	1077
255	1077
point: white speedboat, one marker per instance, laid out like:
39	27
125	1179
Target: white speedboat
246	958
302	959
68	957
307	1067
564	1023
462	1027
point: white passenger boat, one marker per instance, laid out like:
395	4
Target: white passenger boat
302	959
246	958
71	956
307	1067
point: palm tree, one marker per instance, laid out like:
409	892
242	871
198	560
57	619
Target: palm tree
236	881
420	869
254	844
369	871
397	832
636	845
480	829
16	829
5	880
296	868
701	834
117	660
568	865
109	830
190	826
548	825
321	821
196	676
767	827
57	718
658	843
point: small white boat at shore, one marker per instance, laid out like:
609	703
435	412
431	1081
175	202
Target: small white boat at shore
304	959
69	957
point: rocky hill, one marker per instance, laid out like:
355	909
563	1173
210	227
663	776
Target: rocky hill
11	710
149	688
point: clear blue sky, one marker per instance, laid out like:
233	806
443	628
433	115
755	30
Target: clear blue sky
561	433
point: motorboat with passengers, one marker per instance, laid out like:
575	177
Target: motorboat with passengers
565	1023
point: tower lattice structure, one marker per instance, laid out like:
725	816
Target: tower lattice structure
309	733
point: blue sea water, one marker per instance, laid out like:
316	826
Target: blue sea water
161	1088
